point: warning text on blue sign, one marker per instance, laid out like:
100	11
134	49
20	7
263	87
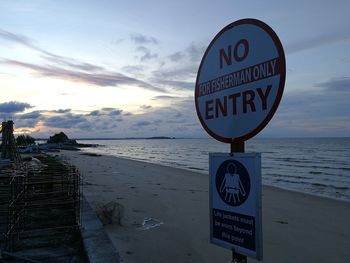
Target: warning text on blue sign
234	228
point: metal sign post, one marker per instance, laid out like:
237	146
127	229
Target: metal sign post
237	147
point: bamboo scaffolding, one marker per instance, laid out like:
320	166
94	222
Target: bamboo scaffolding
39	206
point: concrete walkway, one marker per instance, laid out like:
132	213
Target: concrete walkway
97	245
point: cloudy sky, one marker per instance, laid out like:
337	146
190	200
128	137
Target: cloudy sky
127	68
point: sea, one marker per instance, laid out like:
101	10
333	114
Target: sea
318	166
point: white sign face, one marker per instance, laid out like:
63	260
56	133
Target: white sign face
235	202
240	81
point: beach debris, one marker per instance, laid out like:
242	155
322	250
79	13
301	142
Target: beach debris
150	222
110	213
92	154
282	222
138	211
35	163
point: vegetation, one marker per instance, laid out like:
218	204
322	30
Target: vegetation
61	138
24	140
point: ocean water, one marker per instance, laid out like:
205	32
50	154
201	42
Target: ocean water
319	166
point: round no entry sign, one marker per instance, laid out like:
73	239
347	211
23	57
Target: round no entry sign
240	81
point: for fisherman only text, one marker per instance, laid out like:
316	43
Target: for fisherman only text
223	105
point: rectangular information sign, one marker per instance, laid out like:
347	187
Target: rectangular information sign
235	202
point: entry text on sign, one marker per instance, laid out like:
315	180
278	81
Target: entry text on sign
220	107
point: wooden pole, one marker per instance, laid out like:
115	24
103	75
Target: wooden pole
237	147
8	143
11	141
4	131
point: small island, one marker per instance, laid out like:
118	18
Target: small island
161	138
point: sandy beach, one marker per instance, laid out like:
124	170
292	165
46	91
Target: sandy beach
296	227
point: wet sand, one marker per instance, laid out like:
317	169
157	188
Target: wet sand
296	227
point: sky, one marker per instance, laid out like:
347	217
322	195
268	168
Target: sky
106	69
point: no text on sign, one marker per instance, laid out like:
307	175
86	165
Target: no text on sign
240	81
235	202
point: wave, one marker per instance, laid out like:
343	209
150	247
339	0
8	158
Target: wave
309	165
331	186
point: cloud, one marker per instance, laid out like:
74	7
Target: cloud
118	41
178	115
28	120
108	109
175	120
142	123
177	56
176	73
19	39
72	63
146	53
73	70
133	69
183	67
140	39
157	122
179	70
15	37
105	112
31	119
178	85
30	115
84	123
112	122
146	107
26	123
116	112
341	85
51	57
314	112
65	61
112	111
14	106
95	113
66	121
165	97
193	53
331	37
61	111
96	79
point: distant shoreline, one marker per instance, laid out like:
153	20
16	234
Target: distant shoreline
190	138
127	138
